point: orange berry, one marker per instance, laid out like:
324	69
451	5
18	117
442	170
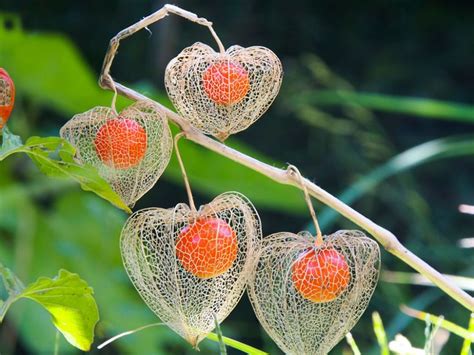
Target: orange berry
207	248
226	82
121	143
321	275
7	96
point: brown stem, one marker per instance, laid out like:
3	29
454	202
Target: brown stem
319	236
183	172
383	236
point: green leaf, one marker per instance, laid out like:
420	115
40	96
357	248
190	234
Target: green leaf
67	298
12	283
60	77
350	340
445	324
58	60
13	286
54	157
236	344
428	108
379	331
222	348
466	346
9	141
413	278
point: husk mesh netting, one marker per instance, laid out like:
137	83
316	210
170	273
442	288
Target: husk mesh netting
170	254
7	96
5	92
223	93
131	150
296	323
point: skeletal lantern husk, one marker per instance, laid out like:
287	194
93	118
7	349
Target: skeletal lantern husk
297	324
7	97
132	176
234	108
185	302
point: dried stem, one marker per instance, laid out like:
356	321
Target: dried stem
383	236
114	98
183	172
307	197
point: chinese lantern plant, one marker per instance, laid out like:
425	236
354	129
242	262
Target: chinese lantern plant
191	265
226	82
121	143
7	97
207	248
130	149
308	292
222	93
320	274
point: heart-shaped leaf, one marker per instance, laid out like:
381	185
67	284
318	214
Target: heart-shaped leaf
66	297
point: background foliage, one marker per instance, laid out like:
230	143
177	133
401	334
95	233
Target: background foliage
359	112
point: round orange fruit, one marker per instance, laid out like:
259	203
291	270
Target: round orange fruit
121	143
7	96
207	248
226	82
321	275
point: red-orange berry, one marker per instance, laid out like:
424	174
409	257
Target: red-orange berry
207	248
7	96
121	143
321	275
226	82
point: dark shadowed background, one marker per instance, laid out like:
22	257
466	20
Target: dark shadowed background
375	105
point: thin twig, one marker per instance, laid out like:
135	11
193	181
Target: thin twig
383	236
118	336
307	197
183	172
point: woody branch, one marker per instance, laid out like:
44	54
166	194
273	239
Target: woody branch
283	176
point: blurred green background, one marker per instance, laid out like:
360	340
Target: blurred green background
375	106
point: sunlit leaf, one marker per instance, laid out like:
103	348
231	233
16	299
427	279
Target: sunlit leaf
70	302
54	157
71	87
352	343
236	344
466	346
445	324
380	334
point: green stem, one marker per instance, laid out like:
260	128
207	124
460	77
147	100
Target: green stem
237	345
5	306
466	346
350	340
380	333
56	343
214	337
223	350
